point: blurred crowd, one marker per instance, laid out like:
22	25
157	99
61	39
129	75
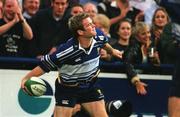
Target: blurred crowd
139	28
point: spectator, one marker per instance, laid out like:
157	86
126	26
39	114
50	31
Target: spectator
91	9
117	10
138	53
76	9
13	30
30	8
124	32
50	27
159	20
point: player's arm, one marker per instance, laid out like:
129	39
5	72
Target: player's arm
37	71
113	51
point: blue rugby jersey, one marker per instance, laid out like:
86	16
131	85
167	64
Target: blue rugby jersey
74	63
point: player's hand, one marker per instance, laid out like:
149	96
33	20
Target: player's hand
23	83
23	87
141	88
118	53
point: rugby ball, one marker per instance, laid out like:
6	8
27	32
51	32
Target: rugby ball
35	86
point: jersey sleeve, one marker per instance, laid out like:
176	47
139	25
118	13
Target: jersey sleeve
101	36
48	63
57	59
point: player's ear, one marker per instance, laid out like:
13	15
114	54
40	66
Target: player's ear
80	32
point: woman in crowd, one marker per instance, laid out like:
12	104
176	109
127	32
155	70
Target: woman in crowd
124	33
163	42
159	20
140	51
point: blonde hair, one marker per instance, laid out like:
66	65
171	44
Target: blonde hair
138	27
103	20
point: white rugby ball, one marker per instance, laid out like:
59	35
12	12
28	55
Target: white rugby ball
35	86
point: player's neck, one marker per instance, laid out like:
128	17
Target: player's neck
85	43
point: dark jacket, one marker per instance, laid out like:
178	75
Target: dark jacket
168	43
132	56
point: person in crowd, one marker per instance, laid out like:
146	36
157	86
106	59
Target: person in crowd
50	27
30	8
13	30
91	9
76	9
77	62
117	10
159	21
124	32
122	43
140	51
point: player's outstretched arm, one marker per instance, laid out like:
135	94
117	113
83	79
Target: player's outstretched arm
113	51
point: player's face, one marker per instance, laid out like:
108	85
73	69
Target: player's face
144	35
89	28
124	30
31	6
59	7
160	19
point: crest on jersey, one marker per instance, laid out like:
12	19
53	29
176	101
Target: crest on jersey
101	37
